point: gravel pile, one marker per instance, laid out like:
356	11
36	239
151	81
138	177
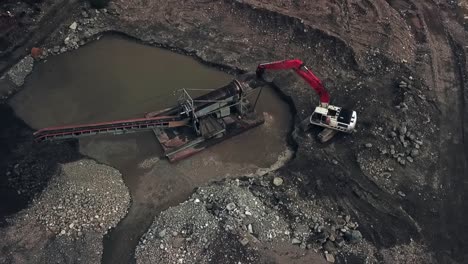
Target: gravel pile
232	216
67	222
79	32
85	197
18	73
178	235
191	232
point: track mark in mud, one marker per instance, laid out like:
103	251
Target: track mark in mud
440	63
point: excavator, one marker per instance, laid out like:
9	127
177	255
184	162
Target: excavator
334	119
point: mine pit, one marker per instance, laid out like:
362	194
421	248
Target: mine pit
117	78
209	180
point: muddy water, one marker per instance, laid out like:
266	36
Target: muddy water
115	78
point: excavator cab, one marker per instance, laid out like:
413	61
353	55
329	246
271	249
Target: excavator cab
334	117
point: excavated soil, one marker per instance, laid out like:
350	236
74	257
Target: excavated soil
401	64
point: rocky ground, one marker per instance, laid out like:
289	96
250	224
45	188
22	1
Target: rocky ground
400	64
246	216
250	219
68	221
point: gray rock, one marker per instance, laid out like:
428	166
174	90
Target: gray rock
339	241
393	134
162	233
402	194
277	181
403	130
330	258
84	14
353	236
414	152
347	218
409	159
386	175
329	246
244	241
402	138
250	228
231	206
295	241
73	26
368	145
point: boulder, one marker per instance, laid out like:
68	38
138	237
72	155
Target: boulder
353	236
277	181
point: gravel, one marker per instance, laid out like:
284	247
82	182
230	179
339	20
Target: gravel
228	215
85	197
68	221
18	73
222	210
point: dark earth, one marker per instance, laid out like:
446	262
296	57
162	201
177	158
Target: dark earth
401	64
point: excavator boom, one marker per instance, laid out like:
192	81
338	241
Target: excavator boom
333	118
299	67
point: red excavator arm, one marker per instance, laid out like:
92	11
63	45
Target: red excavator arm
299	67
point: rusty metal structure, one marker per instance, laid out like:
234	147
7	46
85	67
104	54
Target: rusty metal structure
183	130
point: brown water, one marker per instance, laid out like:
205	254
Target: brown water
114	78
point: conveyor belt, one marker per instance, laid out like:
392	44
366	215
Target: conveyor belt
112	127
